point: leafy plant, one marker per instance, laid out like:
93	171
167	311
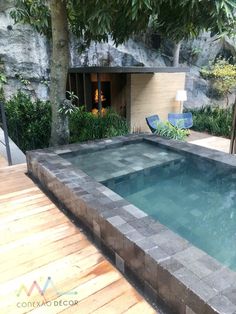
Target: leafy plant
38	16
23	80
213	119
67	107
223	77
28	121
166	129
86	126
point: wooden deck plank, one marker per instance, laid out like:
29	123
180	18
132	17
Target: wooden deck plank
38	238
104	275
47	250
120	304
11	235
139	308
102	297
21	211
12	195
38	241
13	169
91	260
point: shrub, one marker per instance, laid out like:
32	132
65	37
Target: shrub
213	119
28	121
87	126
166	129
222	74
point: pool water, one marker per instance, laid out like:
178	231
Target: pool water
193	197
115	162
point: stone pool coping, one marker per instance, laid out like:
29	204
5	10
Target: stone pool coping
166	266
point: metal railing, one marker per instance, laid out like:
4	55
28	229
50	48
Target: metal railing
232	149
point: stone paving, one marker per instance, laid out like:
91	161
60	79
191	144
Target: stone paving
206	140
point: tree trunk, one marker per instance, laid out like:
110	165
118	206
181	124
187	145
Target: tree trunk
176	52
59	70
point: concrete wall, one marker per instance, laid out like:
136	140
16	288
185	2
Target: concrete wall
17	156
153	94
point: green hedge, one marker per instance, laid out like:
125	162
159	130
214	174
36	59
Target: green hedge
87	126
29	123
213	119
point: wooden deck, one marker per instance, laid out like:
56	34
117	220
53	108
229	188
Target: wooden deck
42	251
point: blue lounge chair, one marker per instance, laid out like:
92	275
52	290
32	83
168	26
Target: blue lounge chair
152	122
181	120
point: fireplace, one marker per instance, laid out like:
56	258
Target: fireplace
112	87
105	94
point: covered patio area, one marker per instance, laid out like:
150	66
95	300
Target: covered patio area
133	92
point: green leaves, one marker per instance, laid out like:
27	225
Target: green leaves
94	20
33	12
90	20
28	121
222	74
184	19
213	119
166	129
67	107
87	126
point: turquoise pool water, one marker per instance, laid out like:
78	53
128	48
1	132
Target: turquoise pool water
114	162
193	197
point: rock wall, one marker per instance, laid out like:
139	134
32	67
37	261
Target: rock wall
26	53
23	52
131	53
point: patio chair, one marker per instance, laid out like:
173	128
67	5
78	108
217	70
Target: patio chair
152	122
181	120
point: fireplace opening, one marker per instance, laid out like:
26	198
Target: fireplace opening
105	95
113	91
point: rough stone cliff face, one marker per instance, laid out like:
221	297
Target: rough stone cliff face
23	52
26	54
198	53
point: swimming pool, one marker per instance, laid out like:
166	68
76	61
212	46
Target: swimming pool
163	211
193	197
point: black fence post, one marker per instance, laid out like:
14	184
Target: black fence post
232	148
6	138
